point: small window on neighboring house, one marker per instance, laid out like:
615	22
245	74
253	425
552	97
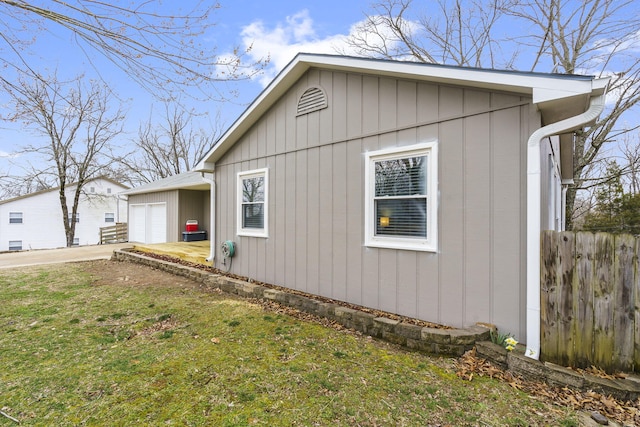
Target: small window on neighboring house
77	217
400	198
313	99
108	190
15	245
76	241
109	217
15	217
253	215
92	189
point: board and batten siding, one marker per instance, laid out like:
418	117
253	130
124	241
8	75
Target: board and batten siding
316	198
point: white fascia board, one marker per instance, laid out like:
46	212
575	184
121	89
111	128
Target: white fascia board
512	81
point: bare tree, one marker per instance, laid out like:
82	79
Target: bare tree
168	148
630	150
161	46
591	37
446	32
78	123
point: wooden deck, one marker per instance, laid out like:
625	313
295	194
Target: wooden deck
189	251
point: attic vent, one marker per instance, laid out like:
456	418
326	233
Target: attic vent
313	99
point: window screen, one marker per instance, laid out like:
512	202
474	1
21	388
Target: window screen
401	197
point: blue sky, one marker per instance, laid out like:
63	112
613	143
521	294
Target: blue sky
278	29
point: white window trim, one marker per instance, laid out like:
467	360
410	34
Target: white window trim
430	244
253	232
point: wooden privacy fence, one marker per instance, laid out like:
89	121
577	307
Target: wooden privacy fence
114	234
590	290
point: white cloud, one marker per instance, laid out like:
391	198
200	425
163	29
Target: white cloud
7	155
282	42
628	43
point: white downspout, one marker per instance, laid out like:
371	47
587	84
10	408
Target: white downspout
596	105
212	218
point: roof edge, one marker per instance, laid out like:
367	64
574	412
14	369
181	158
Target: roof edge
526	83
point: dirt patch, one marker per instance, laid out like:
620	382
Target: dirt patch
105	272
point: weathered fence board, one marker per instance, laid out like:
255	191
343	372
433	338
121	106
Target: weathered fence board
548	294
636	299
565	316
623	325
117	233
589	294
603	301
583	304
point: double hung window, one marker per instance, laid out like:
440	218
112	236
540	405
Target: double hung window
401	188
253	215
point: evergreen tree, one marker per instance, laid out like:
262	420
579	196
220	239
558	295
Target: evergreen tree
615	211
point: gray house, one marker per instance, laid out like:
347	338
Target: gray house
159	210
415	189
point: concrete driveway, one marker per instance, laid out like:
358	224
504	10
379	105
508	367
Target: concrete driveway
53	256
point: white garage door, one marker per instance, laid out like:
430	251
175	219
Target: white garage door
137	223
148	223
157	220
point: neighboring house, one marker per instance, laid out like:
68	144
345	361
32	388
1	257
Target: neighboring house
34	221
412	188
158	211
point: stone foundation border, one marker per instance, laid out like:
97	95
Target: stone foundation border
627	389
446	342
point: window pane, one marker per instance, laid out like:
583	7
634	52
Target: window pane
253	215
15	217
109	217
401	217
401	177
15	245
253	189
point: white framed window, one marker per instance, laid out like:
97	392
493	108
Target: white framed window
401	187
253	200
15	245
74	219
76	241
15	217
109	217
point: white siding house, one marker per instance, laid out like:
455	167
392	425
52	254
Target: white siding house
34	221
